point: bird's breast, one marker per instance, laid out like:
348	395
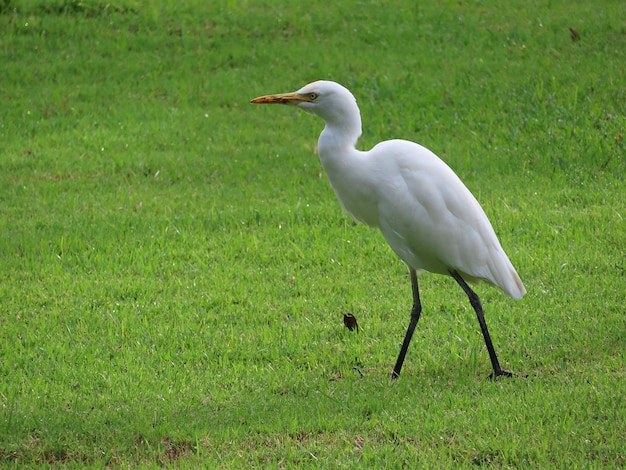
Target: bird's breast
353	185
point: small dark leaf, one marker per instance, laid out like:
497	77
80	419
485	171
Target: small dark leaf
350	321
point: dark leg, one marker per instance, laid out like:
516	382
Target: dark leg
475	301
415	316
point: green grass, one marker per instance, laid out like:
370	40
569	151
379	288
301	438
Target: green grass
174	266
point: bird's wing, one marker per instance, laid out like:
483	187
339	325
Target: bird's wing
433	222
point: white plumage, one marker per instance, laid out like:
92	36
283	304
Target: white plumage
425	212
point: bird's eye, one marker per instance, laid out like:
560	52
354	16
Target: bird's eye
312	96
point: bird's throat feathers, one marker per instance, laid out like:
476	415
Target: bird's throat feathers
335	140
342	130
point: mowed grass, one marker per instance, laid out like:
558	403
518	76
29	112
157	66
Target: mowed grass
175	267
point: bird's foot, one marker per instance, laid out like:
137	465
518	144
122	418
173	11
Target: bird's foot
502	373
394	375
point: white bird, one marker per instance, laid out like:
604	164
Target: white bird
425	212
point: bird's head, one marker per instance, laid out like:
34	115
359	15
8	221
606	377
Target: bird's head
328	100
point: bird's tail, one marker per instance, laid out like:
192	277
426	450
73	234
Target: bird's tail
515	288
506	278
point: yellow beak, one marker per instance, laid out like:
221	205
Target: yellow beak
282	98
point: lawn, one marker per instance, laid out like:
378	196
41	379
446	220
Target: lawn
175	267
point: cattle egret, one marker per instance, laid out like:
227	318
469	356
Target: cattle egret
425	212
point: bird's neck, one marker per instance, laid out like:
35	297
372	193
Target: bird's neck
347	171
339	136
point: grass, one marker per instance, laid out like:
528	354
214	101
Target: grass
174	266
